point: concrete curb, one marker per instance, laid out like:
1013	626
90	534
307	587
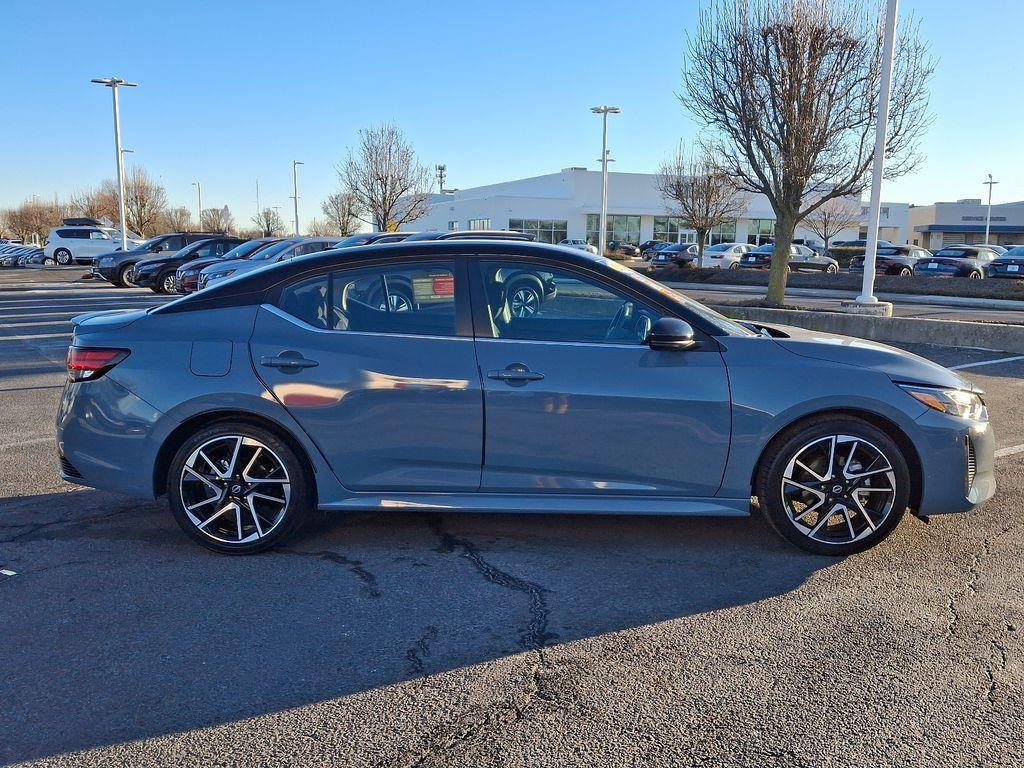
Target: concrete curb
948	333
828	293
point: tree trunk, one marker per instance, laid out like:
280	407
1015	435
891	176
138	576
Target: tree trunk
785	224
702	238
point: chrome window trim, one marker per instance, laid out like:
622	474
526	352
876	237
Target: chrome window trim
307	327
606	344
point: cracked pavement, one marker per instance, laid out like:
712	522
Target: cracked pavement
407	639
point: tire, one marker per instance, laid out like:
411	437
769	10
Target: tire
904	272
63	256
165	283
214	508
975	275
782	486
124	276
524	299
734	265
832	269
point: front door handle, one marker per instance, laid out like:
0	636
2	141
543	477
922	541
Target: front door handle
516	373
288	361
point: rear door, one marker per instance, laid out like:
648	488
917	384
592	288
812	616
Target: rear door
575	400
388	389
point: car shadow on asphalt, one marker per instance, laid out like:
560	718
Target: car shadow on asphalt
120	628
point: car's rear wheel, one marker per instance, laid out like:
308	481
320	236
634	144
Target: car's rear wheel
734	265
904	272
125	276
975	275
238	489
834	485
524	300
832	269
62	256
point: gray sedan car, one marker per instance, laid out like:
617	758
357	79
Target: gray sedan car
304	385
273	254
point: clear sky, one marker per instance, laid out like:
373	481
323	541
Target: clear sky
234	90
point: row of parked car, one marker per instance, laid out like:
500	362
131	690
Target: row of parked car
185	262
957	260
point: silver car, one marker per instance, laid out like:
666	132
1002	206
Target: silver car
283	251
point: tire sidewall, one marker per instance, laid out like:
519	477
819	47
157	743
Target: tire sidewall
773	466
300	500
66	254
123	275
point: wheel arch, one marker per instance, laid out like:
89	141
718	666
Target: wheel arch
189	426
889	427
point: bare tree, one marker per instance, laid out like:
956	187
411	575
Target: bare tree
145	200
700	193
178	219
322	228
387	182
268	221
832	217
217	220
95	203
791	87
32	220
341	210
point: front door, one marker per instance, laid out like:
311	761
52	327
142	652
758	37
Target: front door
576	402
370	362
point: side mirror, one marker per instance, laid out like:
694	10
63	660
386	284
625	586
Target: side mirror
671	334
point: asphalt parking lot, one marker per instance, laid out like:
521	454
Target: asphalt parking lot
438	640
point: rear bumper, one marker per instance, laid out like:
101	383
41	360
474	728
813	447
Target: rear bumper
105	437
957	463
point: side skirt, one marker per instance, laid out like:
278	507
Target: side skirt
545	503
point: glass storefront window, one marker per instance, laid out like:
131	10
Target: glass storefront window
544	230
621	227
761	231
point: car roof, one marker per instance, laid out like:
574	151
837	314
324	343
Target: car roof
471	234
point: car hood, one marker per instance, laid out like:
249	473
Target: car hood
151	263
897	364
200	263
239	265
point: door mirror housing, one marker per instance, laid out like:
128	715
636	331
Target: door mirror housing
671	334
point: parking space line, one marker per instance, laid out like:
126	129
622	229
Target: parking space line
1010	451
986	362
33	441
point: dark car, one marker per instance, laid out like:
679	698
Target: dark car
675	253
158	274
801	259
117	267
970	261
471	234
897	260
623	248
647	247
847	249
186	277
999	250
369	238
1010	264
816	245
618	397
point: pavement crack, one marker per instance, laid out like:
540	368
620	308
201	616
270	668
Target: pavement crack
355	567
535	634
415	656
971	585
33	528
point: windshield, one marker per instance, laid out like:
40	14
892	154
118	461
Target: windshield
956	253
354	240
271	250
1018	251
718	248
245	250
766	248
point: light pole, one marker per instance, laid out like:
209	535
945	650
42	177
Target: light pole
199	188
867	294
295	191
988	216
604	111
113	83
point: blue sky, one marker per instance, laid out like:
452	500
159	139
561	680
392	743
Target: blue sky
233	91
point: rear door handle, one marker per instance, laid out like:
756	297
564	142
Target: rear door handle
287	361
515	373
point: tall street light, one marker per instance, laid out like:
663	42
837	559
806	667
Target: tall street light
988	216
295	191
604	111
113	83
867	294
199	188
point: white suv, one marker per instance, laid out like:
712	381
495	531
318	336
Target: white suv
82	244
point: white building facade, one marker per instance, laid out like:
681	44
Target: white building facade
963	221
567	205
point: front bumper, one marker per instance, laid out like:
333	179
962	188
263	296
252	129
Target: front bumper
104	437
107	273
957	463
144	279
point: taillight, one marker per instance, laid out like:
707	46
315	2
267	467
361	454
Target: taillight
88	363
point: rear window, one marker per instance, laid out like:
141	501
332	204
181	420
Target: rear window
73	234
888	252
955	253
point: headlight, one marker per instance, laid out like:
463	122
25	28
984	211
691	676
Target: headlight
957	402
107	261
188	273
219	275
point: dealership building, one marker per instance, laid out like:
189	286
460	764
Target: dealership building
963	221
567	205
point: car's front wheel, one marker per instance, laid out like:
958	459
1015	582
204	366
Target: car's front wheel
238	489
62	256
166	283
126	276
832	269
834	485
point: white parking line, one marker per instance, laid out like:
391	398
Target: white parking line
1009	451
986	362
33	441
